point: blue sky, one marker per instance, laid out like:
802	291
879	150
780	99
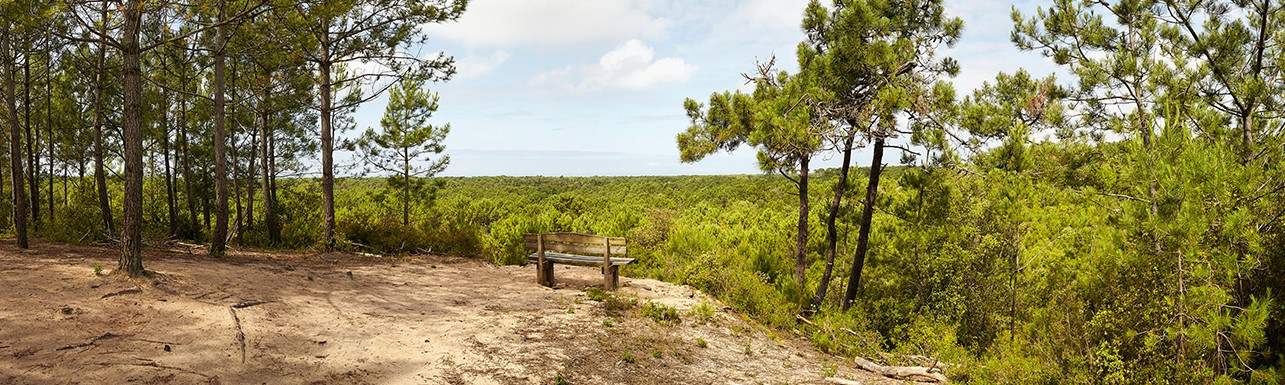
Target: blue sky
580	88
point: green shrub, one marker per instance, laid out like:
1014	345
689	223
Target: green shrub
661	313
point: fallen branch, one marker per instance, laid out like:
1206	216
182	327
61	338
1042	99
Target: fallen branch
803	320
153	364
240	335
122	292
91	341
245	304
909	373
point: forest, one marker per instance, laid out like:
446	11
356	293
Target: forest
1121	225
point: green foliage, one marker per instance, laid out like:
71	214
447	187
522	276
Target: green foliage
701	343
596	294
661	313
703	312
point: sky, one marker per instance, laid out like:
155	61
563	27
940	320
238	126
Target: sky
584	88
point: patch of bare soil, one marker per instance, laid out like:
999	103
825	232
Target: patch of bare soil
291	318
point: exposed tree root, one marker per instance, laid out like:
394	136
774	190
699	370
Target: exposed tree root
240	335
122	292
91	341
245	304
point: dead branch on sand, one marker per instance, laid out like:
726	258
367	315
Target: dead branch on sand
909	373
134	290
91	341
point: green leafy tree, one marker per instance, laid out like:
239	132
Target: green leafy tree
406	142
878	60
786	132
350	32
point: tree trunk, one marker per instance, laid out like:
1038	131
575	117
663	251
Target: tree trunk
33	144
186	163
801	240
867	214
131	258
170	202
15	137
832	231
327	148
100	174
49	126
269	210
405	189
218	244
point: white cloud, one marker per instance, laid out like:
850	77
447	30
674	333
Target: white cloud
632	65
549	23
474	66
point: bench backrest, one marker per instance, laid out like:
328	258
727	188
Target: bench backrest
575	243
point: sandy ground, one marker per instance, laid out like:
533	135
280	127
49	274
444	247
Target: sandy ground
342	319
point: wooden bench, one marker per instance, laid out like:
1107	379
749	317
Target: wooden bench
577	249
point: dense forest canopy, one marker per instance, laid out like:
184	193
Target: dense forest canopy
1119	224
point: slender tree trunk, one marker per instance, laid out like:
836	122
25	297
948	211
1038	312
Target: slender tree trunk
186	163
867	214
100	173
49	125
405	188
831	230
801	239
131	258
15	137
33	143
218	244
170	202
327	147
269	210
249	178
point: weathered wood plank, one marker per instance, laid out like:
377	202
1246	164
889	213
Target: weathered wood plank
578	248
574	238
581	260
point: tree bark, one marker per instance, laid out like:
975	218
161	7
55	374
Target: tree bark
327	146
100	174
269	210
49	124
185	163
801	239
405	188
867	215
218	244
15	137
33	144
170	202
131	258
832	231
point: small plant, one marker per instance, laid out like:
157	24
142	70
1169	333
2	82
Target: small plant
747	349
558	379
704	312
310	278
596	294
98	269
616	304
571	310
627	358
606	323
657	353
661	313
701	343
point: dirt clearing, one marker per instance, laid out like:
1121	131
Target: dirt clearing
342	319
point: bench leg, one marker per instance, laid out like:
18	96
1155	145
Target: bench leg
544	274
611	277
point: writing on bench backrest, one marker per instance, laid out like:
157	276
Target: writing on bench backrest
575	243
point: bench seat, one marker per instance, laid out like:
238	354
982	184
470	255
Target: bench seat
580	260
